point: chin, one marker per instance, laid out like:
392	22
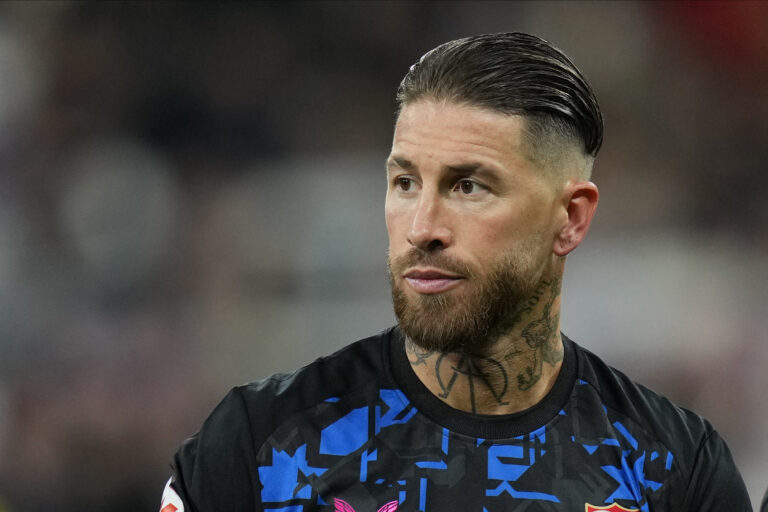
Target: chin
440	322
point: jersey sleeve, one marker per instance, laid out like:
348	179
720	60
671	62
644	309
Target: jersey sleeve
215	470
716	483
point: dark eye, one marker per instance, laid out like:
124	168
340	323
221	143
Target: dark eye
403	184
467	186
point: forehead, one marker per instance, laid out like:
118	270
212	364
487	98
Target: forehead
451	131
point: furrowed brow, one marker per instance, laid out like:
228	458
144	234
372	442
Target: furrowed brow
465	168
469	169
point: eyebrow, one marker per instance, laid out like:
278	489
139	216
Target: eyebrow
468	168
403	163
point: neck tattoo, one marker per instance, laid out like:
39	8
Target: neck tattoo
502	378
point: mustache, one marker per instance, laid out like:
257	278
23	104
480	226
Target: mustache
415	257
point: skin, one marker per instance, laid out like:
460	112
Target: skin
460	183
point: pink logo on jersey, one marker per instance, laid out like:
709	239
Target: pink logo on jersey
343	506
610	508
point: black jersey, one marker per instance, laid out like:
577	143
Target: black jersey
358	431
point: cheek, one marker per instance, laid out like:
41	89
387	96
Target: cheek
498	235
395	222
389	218
497	231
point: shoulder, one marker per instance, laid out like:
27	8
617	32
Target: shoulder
259	407
325	377
764	506
646	422
652	413
216	468
270	401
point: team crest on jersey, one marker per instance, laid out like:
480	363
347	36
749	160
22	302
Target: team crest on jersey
610	508
342	506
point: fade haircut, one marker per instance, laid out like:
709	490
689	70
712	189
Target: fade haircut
514	73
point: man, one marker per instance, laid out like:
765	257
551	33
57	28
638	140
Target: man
475	401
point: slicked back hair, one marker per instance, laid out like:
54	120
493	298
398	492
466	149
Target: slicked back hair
513	73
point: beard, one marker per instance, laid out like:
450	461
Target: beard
486	306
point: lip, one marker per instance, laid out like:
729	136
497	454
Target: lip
431	280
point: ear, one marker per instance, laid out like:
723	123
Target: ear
580	203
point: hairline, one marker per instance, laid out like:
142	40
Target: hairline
546	153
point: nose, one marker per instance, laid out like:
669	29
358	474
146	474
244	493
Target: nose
429	230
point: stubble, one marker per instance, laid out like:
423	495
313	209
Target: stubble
474	316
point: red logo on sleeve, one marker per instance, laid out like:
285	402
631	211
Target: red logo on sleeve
171	501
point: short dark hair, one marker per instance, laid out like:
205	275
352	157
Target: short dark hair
512	73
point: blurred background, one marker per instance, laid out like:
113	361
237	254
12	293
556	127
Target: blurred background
191	197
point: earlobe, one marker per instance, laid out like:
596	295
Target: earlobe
580	202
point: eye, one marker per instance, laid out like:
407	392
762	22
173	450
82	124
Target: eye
468	187
403	183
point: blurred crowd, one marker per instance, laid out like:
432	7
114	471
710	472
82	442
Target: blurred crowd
192	197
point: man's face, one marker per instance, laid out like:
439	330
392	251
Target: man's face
471	224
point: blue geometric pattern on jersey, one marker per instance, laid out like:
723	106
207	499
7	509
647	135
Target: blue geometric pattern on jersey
630	475
425	464
437	464
287	477
624	432
364	460
631	482
350	442
346	434
350	432
397	403
508	462
446	438
592	448
281	479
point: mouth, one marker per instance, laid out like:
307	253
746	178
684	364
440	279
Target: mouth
431	280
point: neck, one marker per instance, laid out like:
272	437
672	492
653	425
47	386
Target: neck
511	373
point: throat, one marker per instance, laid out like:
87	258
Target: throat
511	373
490	385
